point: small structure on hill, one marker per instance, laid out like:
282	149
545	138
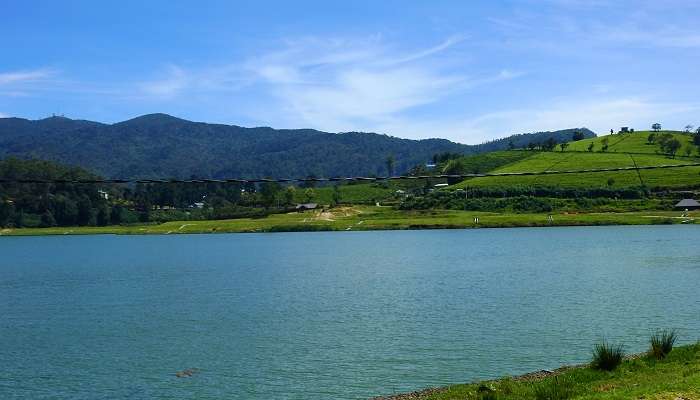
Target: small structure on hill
687	204
306	206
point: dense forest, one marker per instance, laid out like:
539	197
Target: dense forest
89	204
162	146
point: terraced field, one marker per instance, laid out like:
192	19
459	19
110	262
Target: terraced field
635	142
631	151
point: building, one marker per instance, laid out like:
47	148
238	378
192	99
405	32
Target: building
306	206
103	194
624	129
688	204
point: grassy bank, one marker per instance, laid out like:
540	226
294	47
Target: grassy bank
370	218
677	377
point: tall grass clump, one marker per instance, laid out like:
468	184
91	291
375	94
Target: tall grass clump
558	388
662	343
607	357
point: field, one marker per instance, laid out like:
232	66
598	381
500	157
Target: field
675	378
371	218
626	151
631	143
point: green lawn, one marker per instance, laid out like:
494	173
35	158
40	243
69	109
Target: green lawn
370	218
675	378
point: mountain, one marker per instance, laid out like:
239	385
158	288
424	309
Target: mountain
163	146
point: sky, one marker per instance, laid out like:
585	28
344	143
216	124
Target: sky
468	71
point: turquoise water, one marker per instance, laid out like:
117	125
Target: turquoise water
329	315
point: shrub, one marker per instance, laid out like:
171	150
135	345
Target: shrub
662	343
607	357
554	389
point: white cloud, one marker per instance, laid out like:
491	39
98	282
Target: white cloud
599	115
2	115
342	85
18	77
172	84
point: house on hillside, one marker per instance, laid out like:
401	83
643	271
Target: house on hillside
306	206
687	204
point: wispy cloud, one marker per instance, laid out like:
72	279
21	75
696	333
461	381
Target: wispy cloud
335	84
342	85
174	81
25	76
599	115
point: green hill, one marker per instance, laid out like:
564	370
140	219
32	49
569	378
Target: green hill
162	146
635	142
624	151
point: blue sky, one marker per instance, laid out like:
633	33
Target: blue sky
465	70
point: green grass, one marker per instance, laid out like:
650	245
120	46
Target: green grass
676	377
661	343
630	143
486	162
606	357
371	218
573	160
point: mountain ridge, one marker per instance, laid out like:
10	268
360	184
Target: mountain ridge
160	145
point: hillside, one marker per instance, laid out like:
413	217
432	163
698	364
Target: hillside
624	151
159	145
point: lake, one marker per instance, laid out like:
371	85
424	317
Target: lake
344	315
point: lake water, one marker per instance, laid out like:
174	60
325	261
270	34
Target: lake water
329	315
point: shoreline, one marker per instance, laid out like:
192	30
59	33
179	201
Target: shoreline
348	219
639	374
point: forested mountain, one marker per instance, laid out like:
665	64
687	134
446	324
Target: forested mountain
159	145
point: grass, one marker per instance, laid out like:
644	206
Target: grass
661	343
371	218
626	151
606	357
485	162
559	388
676	377
635	142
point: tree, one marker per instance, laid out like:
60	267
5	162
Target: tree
7	213
563	146
591	146
688	151
532	145
453	167
47	219
511	145
651	138
696	138
336	195
19	219
390	165
103	215
656	127
688	128
611	182
672	147
549	144
578	135
269	192
86	214
309	195
116	215
604	142
289	192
